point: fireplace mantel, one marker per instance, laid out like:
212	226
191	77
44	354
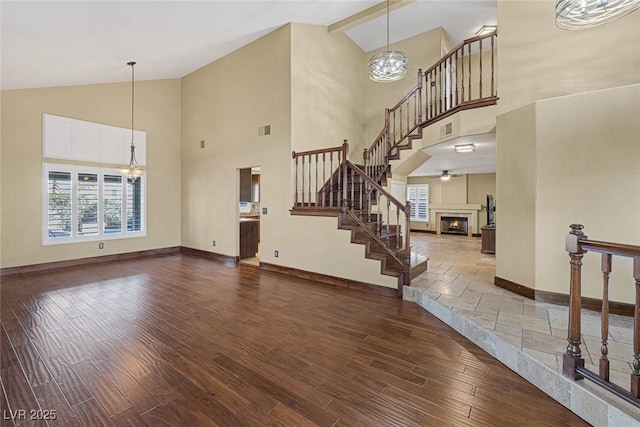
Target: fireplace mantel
470	211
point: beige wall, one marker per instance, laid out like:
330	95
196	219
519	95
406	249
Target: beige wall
540	189
327	89
479	185
538	60
516	175
309	104
327	106
224	104
588	167
157	113
558	166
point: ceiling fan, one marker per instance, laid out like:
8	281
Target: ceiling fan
445	176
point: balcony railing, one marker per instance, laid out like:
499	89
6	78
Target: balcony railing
462	79
577	244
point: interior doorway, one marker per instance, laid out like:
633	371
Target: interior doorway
249	215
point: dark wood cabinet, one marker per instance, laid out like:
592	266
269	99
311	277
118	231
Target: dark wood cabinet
488	240
249	237
245	185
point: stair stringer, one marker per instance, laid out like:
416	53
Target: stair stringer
388	266
326	249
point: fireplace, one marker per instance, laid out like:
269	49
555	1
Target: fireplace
466	212
454	225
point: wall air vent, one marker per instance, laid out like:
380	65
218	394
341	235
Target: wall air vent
446	130
264	130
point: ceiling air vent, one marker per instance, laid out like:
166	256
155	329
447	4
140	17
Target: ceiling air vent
446	130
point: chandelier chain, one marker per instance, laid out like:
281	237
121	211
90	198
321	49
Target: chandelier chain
132	100
388	24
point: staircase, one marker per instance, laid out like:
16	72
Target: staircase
328	184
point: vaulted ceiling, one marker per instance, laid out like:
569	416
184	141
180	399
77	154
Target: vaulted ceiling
59	43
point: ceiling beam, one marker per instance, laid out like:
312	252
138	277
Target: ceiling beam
366	15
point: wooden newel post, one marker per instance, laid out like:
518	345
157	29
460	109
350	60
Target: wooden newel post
572	358
635	375
407	233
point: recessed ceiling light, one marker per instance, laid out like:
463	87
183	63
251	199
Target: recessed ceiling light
464	148
486	29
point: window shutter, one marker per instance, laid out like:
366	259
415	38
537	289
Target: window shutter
135	204
418	196
87	204
59	204
112	203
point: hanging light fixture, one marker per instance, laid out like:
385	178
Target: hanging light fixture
578	14
390	65
134	170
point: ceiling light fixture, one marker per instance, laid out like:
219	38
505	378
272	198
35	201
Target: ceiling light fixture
578	14
134	170
390	65
445	176
486	29
464	148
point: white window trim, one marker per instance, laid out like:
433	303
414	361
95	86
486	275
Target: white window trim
74	238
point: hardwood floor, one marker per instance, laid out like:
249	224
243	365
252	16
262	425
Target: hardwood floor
177	340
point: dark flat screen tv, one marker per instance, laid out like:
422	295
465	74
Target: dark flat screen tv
491	209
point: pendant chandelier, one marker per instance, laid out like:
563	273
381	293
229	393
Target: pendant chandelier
390	65
578	14
134	170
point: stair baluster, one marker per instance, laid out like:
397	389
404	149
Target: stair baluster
330	179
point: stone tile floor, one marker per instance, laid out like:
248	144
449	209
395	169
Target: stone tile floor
458	288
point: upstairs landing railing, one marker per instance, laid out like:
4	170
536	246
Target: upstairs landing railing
318	181
462	79
577	244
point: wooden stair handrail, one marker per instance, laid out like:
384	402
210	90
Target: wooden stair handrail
459	46
400	207
577	244
342	147
379	188
619	249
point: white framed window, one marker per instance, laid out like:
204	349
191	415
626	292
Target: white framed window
72	139
418	196
82	203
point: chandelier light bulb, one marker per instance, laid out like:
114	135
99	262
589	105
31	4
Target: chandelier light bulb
388	66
